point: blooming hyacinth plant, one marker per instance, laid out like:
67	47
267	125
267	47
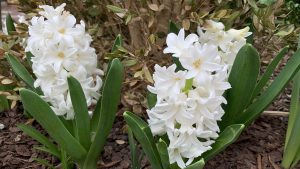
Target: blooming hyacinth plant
189	101
68	82
200	104
61	48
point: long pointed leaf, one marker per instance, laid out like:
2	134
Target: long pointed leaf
42	112
243	79
269	71
135	164
266	98
21	71
47	150
294	106
163	153
144	136
228	136
82	118
292	142
10	27
109	105
35	134
118	42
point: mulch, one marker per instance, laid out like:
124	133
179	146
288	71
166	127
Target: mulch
259	147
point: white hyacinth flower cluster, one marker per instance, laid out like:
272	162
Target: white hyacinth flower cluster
61	48
189	101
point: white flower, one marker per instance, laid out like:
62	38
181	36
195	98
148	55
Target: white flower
61	48
189	102
167	81
177	43
200	60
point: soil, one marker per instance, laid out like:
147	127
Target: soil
260	146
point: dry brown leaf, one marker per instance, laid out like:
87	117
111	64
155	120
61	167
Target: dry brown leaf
153	7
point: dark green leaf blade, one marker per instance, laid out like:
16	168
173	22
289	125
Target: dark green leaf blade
21	71
173	28
118	42
144	136
228	136
151	99
269	71
266	98
82	118
42	112
292	142
242	79
29	55
10	27
35	134
47	150
135	164
163	153
109	104
4	104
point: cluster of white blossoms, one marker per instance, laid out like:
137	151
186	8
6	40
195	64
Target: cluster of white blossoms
61	48
189	101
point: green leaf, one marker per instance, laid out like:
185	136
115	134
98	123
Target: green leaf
10	24
151	99
163	153
44	162
269	71
35	134
292	142
116	9
227	137
43	114
46	150
173	28
144	136
118	42
266	98
29	55
198	165
82	118
4	104
96	116
267	2
21	71
109	106
243	79
135	164
7	87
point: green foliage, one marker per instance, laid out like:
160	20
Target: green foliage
109	105
82	119
143	134
227	137
269	71
267	96
292	146
4	104
80	148
135	163
10	27
35	134
42	112
21	72
243	79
